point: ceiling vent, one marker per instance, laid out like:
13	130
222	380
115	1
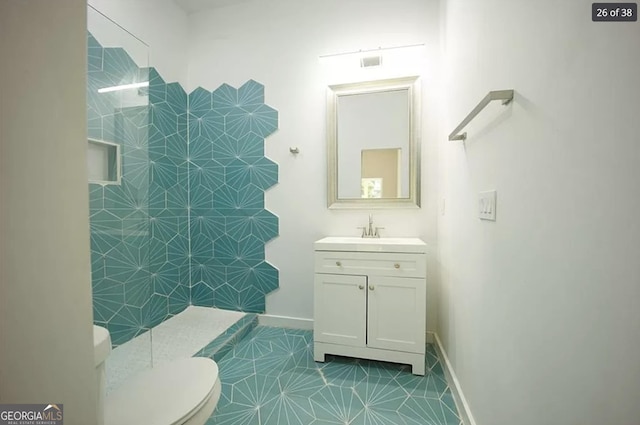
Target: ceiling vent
369	61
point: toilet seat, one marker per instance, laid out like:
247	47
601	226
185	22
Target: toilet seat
170	394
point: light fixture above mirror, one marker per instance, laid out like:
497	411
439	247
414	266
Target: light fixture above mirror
378	52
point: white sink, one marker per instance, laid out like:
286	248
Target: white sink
337	243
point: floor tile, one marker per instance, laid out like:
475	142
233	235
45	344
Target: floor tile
428	386
337	405
301	382
420	411
234	369
287	409
270	378
381	394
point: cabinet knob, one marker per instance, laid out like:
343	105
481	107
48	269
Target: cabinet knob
371	287
338	263
396	265
360	286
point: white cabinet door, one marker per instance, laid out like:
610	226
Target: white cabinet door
396	319
340	304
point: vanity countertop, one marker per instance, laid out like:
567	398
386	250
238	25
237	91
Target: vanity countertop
356	244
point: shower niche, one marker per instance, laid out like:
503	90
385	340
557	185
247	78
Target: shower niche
103	162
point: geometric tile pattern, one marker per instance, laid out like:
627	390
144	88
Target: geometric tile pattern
270	378
187	224
223	344
169	264
228	175
123	295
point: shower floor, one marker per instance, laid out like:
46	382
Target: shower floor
181	336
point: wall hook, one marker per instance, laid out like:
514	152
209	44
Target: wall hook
294	151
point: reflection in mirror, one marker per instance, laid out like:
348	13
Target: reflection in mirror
380	168
373	144
369	123
371	188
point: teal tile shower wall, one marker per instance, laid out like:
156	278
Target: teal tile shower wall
187	225
229	174
168	197
123	297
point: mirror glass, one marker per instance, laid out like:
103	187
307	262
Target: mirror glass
373	144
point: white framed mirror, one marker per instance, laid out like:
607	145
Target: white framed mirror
373	140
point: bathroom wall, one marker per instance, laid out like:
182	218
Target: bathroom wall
161	24
228	175
277	44
46	338
539	310
188	224
169	250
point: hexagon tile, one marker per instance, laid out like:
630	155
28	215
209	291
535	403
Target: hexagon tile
270	378
229	174
187	224
124	299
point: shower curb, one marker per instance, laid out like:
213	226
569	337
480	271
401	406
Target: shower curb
224	343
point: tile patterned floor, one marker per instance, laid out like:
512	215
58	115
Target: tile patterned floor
270	378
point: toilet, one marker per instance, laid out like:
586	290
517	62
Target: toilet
182	392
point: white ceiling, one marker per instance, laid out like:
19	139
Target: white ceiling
191	6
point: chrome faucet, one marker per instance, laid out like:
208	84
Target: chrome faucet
370	231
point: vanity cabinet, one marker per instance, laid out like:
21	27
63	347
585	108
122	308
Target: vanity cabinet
370	300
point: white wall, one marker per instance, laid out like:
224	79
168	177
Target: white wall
46	334
161	24
539	310
277	43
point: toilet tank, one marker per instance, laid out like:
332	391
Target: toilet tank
101	344
101	350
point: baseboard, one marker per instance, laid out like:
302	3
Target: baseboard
285	322
430	339
454	384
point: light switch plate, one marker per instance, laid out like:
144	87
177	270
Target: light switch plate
487	205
